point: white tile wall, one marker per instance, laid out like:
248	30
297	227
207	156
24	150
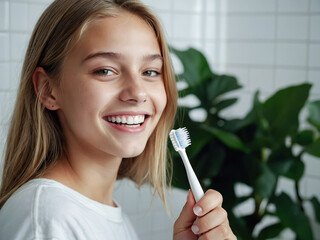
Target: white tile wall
293	6
4	47
249	53
312	165
211	28
159	5
249	6
7	100
314	28
261	79
267	44
314	55
191	27
314	6
5	74
212	53
251	27
292	27
291	54
211	6
4	13
19	16
314	77
166	22
190	6
287	77
18	45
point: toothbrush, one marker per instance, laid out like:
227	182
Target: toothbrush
180	140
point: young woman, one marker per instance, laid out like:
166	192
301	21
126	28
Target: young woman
96	102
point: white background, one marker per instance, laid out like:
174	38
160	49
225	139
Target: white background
266	44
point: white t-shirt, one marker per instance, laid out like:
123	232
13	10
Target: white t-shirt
46	209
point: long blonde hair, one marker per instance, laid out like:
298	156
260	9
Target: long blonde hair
35	140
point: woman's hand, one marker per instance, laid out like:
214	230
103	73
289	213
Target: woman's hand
205	220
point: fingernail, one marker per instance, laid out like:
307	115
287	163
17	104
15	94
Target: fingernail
197	210
195	229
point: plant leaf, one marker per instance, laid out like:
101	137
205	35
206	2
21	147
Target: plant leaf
281	167
314	113
239	227
314	148
316	206
271	231
305	137
220	85
208	162
224	104
283	108
283	163
230	139
296	170
265	181
237	124
292	217
196	67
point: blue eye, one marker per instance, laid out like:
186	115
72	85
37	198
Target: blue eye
151	73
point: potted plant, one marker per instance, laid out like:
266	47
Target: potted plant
254	151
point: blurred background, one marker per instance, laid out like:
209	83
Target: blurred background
265	44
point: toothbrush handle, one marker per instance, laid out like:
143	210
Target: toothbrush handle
193	180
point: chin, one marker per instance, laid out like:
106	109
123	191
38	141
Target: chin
133	153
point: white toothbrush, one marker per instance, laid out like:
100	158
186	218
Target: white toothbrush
180	140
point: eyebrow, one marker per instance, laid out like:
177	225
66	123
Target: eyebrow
114	55
153	57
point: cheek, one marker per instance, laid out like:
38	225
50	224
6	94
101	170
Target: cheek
81	104
160	97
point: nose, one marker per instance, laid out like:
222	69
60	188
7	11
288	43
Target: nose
133	91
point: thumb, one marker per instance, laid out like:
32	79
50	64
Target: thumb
187	217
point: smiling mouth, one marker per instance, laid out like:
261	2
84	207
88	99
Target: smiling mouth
127	120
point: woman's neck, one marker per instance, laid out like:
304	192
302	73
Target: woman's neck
94	178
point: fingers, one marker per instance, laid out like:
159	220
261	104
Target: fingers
220	232
211	200
203	220
216	217
212	221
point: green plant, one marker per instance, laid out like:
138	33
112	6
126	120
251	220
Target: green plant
256	150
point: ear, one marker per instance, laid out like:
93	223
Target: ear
41	85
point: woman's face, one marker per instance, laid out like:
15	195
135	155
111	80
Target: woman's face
112	93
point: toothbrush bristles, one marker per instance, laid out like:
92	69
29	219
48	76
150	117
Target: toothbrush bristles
180	138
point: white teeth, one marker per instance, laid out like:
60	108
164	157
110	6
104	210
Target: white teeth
133	125
123	119
132	120
136	119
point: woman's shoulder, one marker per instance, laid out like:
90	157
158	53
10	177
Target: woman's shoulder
38	197
36	205
44	207
49	199
37	193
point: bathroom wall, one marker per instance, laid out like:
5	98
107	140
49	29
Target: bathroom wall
267	44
